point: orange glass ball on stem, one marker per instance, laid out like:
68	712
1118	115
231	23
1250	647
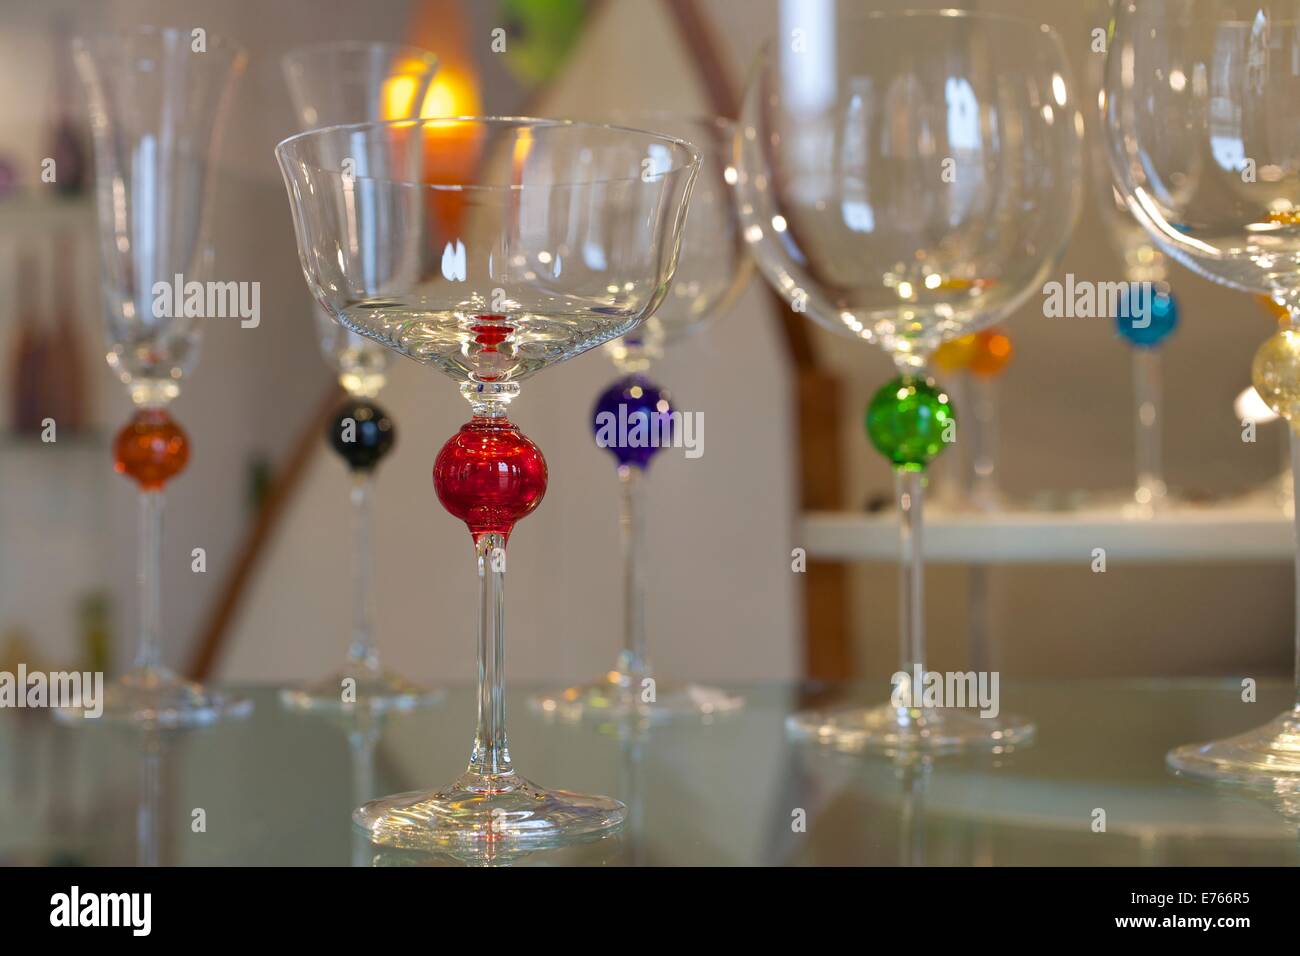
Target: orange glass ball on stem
955	355
151	449
992	352
1275	309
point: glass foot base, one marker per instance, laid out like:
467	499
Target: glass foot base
1267	756
888	729
158	698
614	696
377	693
501	810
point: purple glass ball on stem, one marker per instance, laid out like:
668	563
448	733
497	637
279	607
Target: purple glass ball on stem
633	421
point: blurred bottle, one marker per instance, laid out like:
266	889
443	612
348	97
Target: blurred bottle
16	648
27	359
65	380
64	143
96	636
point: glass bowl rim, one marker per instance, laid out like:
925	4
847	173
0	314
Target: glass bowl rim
85	41
297	53
1239	22
692	164
950	13
619	119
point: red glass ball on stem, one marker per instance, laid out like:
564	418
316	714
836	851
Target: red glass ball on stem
489	475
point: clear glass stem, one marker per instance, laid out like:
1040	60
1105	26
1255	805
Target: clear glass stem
147	835
979	649
632	662
984	443
911	577
984	495
491	756
1147	397
1295	472
149	579
362	651
362	745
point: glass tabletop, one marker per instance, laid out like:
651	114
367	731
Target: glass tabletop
278	787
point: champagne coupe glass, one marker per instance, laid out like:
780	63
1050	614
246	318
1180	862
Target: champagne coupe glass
157	98
1145	317
565	237
904	179
711	274
332	84
1201	100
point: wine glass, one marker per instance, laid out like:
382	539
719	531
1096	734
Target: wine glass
565	237
157	98
712	273
905	179
332	84
1201	99
1147	315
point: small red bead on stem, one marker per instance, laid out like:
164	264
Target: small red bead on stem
489	475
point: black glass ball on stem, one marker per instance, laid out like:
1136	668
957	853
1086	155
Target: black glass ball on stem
362	434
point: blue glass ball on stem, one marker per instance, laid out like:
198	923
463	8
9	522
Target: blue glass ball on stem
1147	315
633	421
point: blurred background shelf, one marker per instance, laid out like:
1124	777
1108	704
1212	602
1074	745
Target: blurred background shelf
1243	532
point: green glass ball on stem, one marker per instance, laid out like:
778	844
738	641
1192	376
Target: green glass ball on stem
910	421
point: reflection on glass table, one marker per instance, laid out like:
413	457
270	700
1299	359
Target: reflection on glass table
727	793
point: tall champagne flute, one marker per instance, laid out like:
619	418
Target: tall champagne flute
1202	98
905	179
157	98
565	237
712	272
332	84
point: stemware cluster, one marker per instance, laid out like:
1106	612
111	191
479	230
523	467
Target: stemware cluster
905	180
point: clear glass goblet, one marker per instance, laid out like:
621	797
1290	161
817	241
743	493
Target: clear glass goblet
906	179
1201	103
711	273
157	99
332	84
565	238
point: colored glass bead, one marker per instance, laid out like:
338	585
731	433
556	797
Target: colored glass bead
955	354
1275	373
632	420
1146	321
909	421
362	434
489	475
151	449
1279	312
993	352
